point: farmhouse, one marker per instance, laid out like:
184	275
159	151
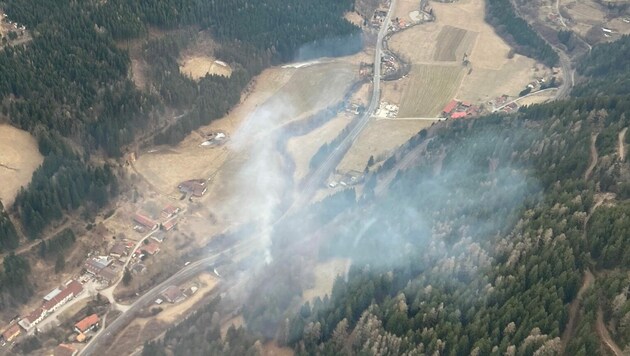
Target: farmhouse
71	290
119	249
172	294
159	236
51	303
196	187
458	115
169	211
152	248
169	225
87	324
109	273
65	350
145	221
11	333
94	265
35	317
450	107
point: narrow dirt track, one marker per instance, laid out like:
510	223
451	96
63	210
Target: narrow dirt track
622	147
605	335
594	157
587	281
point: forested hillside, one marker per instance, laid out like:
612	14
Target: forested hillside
479	248
501	14
70	86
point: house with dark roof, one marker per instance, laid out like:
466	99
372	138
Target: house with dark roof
172	294
119	249
196	187
94	265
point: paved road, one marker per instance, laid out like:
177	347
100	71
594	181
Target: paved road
107	334
323	171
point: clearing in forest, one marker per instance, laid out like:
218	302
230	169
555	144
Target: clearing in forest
197	67
429	89
19	157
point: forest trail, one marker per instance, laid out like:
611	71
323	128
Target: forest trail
605	335
622	147
594	157
587	282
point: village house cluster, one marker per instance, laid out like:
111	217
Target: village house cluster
456	109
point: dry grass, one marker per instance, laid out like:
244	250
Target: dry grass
197	67
19	157
325	274
429	89
354	18
236	321
272	349
172	312
449	39
302	148
404	7
417	44
379	139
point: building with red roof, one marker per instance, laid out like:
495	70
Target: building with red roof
151	248
450	107
169	225
145	221
86	324
169	211
458	115
11	333
65	350
70	290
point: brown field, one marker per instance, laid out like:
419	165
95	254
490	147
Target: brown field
417	44
325	274
197	67
404	7
429	89
537	99
379	139
354	18
484	84
19	157
449	41
493	73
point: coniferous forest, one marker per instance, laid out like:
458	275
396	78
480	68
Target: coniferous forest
70	86
480	248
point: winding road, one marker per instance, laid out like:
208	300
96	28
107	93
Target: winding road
323	171
107	334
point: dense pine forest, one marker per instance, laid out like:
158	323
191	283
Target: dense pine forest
480	248
70	87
